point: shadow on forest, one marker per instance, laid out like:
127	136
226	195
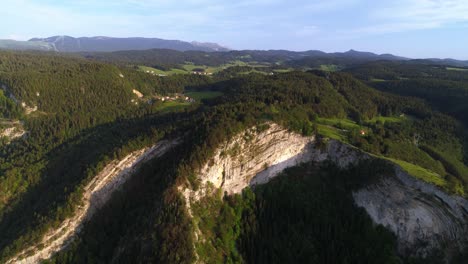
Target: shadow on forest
68	167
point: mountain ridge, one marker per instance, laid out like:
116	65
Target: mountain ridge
108	44
69	44
64	43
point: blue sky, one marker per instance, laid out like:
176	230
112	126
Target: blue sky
413	28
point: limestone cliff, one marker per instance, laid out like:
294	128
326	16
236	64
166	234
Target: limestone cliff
422	216
255	153
256	156
96	193
13	132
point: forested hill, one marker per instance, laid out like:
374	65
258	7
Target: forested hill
444	87
59	100
334	105
164	56
80	114
166	61
82	92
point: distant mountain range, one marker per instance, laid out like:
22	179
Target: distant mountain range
24	45
351	54
305	59
362	55
110	44
106	44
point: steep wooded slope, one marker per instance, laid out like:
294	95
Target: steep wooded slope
423	217
42	176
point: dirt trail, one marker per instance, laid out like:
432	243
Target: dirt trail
96	194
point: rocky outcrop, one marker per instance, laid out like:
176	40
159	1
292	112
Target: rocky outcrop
255	157
27	109
12	133
96	194
255	153
137	93
421	215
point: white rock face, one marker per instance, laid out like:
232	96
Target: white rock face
256	157
12	133
96	194
29	109
264	154
422	216
137	93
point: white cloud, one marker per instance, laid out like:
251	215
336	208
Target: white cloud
307	31
16	37
406	15
329	5
237	23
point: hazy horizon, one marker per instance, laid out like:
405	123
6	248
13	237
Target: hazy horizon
408	28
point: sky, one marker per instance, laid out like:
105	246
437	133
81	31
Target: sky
411	28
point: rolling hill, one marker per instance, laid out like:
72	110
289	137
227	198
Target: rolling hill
118	165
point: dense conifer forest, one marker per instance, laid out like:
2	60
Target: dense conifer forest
84	113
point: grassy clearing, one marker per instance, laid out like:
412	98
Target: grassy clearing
188	68
377	80
389	119
452	164
432	171
253	71
336	128
172	106
339	123
203	95
456	69
329	67
331	132
156	71
421	173
283	70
